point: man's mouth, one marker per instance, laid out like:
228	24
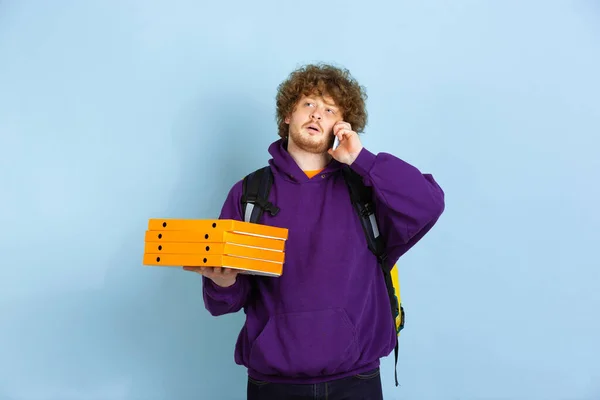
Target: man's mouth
313	128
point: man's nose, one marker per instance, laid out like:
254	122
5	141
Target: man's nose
316	115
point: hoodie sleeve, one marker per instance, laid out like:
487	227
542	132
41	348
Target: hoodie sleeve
223	300
408	203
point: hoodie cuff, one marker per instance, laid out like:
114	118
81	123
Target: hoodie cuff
364	162
220	293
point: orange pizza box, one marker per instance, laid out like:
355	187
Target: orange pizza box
210	248
199	237
246	265
217	226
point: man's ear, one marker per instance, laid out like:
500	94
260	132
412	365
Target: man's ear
287	120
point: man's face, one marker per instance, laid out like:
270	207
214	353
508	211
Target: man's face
311	123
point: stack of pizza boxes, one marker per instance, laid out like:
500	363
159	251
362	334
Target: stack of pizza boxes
248	247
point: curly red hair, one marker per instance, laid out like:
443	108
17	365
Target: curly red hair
321	80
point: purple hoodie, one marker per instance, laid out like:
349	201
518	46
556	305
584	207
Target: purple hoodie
328	316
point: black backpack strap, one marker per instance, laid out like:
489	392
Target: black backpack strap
255	196
362	200
361	197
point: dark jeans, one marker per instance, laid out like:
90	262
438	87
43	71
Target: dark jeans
365	386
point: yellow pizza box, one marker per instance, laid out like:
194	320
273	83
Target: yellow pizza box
245	265
216	226
162	236
229	249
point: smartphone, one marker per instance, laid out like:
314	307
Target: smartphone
336	143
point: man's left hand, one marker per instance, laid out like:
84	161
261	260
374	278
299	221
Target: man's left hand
350	145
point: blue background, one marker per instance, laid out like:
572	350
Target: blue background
115	112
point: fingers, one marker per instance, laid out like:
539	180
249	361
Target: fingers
212	272
224	272
193	269
198	270
344	133
341	124
341	128
230	272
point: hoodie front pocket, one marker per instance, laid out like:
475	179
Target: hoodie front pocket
308	343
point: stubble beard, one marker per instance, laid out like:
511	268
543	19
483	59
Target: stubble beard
310	144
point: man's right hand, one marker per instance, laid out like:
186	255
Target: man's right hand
223	277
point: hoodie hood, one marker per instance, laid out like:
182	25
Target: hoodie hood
283	164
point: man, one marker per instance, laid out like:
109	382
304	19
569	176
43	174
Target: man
321	328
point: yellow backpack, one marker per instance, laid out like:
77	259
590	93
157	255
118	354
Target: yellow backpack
396	284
